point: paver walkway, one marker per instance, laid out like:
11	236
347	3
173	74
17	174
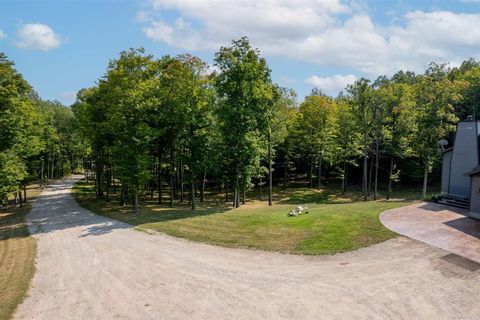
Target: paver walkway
91	267
441	226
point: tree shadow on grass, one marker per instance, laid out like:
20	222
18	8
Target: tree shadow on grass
12	223
323	196
150	211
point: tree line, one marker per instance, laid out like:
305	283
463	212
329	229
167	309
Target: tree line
38	139
167	128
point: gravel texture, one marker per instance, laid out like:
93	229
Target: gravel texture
91	267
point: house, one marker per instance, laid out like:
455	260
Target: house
461	170
475	192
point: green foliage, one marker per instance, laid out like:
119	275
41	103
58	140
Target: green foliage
149	122
246	98
33	133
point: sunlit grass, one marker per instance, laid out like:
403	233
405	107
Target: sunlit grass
17	254
335	223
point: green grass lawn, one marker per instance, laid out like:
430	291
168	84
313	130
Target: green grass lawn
333	224
17	255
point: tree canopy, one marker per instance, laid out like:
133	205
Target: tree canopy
172	126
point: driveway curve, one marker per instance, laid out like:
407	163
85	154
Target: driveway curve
91	267
438	225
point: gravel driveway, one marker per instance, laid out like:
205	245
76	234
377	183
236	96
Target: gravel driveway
91	267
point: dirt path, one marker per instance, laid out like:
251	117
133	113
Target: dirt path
90	267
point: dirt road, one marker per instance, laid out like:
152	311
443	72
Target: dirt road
91	267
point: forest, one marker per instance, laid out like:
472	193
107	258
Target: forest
170	128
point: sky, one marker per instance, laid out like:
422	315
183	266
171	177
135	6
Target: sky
61	47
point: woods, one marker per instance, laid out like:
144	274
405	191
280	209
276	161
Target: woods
171	127
38	139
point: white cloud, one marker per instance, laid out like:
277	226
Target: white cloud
37	36
218	22
325	32
332	85
3	35
180	34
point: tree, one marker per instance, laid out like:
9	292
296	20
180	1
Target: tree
20	129
126	91
348	139
316	127
398	103
361	98
435	95
245	95
282	118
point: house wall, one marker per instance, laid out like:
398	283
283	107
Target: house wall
475	198
464	158
447	159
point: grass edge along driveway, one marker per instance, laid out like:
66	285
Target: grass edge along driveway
330	227
17	255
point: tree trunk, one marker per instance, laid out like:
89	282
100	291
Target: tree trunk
20	197
113	181
53	167
234	203
108	183
122	193
135	200
390	174
260	190
237	192
365	172
344	177
319	172
243	195
226	192
41	172
48	168
99	180
71	164
285	176
425	180
377	163
270	178
25	193
159	182
85	169
192	195
181	180
170	204
202	191
311	174
370	174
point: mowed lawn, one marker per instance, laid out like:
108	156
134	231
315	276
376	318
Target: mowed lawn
333	224
17	255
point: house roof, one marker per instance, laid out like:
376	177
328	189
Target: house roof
474	172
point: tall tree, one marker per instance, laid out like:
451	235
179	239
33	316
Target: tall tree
316	127
361	98
245	95
435	96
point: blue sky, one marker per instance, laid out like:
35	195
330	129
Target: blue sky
63	46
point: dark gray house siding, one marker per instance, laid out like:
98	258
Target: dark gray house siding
461	169
446	163
464	158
